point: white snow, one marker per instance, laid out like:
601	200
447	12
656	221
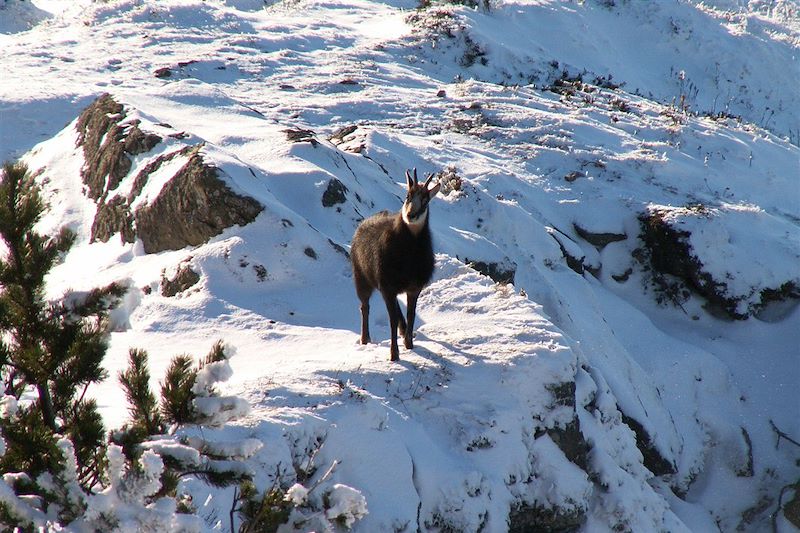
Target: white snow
463	429
297	493
725	238
346	505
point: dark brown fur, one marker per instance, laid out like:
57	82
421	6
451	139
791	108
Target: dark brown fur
389	256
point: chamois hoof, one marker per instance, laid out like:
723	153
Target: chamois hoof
394	354
409	344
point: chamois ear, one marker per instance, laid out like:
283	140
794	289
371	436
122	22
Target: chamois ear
409	180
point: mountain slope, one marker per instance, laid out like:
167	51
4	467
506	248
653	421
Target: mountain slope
570	398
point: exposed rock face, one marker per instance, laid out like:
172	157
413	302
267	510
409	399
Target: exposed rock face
573	262
747	469
538	519
599	240
113	217
792	508
573	255
184	279
524	517
141	178
569	438
669	253
676	268
193	206
500	273
107	141
301	135
654	461
334	193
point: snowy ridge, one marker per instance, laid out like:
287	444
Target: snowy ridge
569	391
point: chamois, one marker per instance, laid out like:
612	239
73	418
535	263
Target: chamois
393	252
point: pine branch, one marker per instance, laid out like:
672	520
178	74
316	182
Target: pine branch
96	302
142	403
46	406
216	354
176	391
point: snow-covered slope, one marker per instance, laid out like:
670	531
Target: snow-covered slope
570	396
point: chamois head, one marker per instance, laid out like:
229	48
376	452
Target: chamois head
415	207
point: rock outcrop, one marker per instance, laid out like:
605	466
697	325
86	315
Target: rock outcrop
108	140
334	193
679	243
192	206
183	279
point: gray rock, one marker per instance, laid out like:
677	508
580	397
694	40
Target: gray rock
334	193
525	518
184	279
675	271
499	272
113	217
599	240
192	207
654	461
107	144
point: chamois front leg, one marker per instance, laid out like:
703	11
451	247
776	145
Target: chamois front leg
394	313
411	303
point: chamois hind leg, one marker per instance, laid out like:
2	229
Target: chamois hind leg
365	321
364	293
411	303
394	313
401	321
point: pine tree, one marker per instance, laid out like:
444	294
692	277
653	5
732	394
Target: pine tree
54	349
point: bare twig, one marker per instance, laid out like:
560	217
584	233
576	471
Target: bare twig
85	388
774	517
233	505
782	435
311	457
324	476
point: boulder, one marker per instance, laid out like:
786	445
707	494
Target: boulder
500	272
184	278
525	518
113	217
654	461
598	239
334	193
192	207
